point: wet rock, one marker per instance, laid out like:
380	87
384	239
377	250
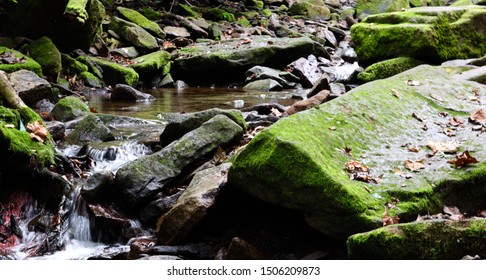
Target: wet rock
286	79
134	34
140	180
264	85
197	251
239	249
208	61
98	186
430	239
372	126
128	52
113	252
180	124
158	207
111	225
69	108
311	102
431	38
337	89
307	70
192	206
153	63
192	26
47	55
56	130
90	129
387	68
321	84
29	86
265	108
127	93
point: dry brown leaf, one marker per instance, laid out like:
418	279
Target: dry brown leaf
455	121
478	116
396	94
449	147
355	166
419	118
413	149
464	159
402	174
436	97
37	131
347	150
449	131
454	213
359	171
415	166
388	220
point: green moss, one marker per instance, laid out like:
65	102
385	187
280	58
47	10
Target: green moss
77	8
462	3
267	13
17	149
387	68
72	66
371	7
243	21
114	73
90	80
217	14
188	10
25	62
96	70
47	55
434	239
151	62
134	34
150	13
315	9
141	20
69	108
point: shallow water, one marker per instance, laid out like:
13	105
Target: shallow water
192	100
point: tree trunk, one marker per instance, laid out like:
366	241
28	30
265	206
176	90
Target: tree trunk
8	93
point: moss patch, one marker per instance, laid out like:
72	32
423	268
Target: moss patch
24	62
114	73
299	162
387	68
151	62
69	108
77	8
141	20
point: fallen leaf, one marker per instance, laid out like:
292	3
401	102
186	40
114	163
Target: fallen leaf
478	116
413	149
455	121
419	118
220	156
396	94
449	147
449	132
453	212
464	159
347	150
436	97
402	174
443	114
37	131
415	166
358	171
413	83
388	220
355	166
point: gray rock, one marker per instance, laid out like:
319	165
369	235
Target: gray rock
98	186
56	130
180	124
192	206
134	34
307	70
286	79
128	93
173	32
139	181
128	52
30	87
476	75
264	85
320	85
90	129
157	208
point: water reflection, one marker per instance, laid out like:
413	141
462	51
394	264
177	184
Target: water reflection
192	100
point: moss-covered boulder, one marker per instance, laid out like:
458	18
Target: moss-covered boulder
371	7
139	19
313	9
90	129
71	24
47	55
72	66
69	108
432	34
18	150
151	63
90	80
209	62
134	34
313	161
139	181
20	61
114	73
387	68
430	239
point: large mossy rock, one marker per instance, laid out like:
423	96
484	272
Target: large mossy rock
90	129
72	24
21	62
313	9
69	108
47	55
114	73
139	19
300	161
387	68
432	34
18	151
134	34
371	7
139	181
231	58
156	62
431	239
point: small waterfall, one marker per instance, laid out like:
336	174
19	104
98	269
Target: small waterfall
113	157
